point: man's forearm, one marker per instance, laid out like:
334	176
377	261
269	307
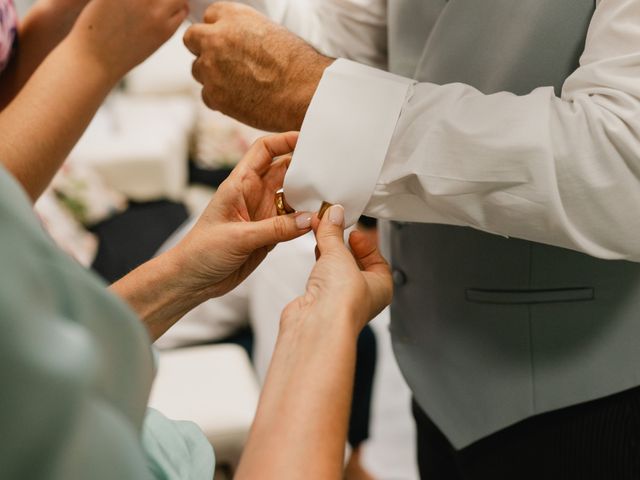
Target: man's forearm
301	425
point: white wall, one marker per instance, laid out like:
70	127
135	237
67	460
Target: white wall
23	6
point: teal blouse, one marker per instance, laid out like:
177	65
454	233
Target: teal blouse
75	370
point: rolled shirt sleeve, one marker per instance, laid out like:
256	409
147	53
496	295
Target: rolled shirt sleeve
561	171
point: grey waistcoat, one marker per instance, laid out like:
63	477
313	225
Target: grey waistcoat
487	330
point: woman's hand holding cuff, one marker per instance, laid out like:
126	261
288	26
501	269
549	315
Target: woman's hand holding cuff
230	239
241	225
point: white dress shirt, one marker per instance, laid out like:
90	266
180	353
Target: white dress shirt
557	170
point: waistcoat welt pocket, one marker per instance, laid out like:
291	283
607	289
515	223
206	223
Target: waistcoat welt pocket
580	294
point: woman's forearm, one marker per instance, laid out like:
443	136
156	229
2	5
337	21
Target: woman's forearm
301	424
157	294
43	123
46	24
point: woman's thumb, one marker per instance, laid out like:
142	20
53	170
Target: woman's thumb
330	233
277	229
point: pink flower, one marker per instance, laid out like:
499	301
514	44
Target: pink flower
8	29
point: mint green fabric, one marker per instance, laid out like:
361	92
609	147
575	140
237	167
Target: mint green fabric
76	370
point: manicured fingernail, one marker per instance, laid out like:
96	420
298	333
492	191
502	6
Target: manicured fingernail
303	220
336	215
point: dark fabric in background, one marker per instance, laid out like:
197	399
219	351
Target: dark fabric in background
598	440
129	239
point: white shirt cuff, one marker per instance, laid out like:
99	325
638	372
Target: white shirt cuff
345	137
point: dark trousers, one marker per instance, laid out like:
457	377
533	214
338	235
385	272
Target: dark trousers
362	388
597	440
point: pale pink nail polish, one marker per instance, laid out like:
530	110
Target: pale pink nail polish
303	220
336	215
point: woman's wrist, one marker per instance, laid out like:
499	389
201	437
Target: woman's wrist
318	318
88	59
158	293
87	38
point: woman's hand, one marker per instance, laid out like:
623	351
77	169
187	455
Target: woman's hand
119	34
44	26
352	285
300	427
229	240
67	11
240	226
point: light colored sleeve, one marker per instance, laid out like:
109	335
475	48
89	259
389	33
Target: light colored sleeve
354	29
561	171
176	450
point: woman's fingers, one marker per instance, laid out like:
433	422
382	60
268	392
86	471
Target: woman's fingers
265	149
274	178
330	231
274	230
376	270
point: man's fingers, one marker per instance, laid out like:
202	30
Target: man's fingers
217	10
277	229
214	11
274	178
377	273
193	38
366	253
265	149
196	70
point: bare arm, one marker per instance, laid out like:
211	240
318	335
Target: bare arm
301	424
46	24
228	242
41	125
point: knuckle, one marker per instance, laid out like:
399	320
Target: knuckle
213	11
261	142
258	144
216	41
195	71
208	99
188	36
280	227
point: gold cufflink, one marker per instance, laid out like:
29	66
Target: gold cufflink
323	208
282	207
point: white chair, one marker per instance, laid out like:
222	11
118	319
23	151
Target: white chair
213	386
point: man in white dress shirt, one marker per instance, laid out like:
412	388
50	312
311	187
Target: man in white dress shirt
520	335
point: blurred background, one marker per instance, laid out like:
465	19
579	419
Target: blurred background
145	168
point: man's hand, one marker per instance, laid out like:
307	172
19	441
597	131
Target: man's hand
252	69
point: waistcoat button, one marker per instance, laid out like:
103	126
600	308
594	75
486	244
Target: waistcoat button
399	277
